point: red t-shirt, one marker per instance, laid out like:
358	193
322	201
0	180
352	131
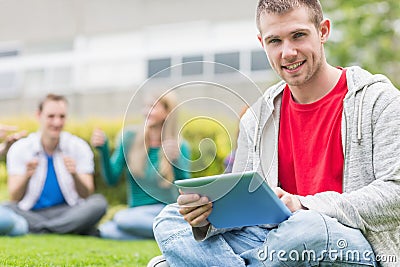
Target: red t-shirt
310	155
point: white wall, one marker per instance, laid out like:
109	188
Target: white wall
93	49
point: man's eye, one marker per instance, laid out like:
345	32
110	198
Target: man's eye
274	41
298	35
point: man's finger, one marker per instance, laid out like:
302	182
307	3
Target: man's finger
192	200
279	191
193	217
185	199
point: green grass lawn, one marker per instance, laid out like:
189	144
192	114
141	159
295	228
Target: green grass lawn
68	250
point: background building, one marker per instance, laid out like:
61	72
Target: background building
100	53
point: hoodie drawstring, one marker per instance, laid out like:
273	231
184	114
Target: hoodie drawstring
359	118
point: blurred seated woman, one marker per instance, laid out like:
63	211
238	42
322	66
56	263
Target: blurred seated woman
155	159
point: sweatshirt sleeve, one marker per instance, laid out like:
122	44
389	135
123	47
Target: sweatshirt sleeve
112	166
376	206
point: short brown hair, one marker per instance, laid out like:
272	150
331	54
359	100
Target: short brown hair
283	6
51	97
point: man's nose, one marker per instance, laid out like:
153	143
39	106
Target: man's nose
58	121
288	50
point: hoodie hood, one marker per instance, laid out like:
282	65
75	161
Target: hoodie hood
359	81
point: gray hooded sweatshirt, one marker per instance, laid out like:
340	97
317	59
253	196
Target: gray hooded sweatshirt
371	146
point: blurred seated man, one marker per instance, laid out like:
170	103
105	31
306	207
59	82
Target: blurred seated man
50	176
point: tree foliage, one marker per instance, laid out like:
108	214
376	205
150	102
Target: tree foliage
365	33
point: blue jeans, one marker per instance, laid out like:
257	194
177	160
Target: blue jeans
307	238
11	223
132	223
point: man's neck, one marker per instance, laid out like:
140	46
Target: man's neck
322	83
49	145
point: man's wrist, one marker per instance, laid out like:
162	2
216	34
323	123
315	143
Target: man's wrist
203	230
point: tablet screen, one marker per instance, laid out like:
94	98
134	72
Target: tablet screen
239	199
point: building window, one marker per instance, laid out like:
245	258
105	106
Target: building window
259	60
8	53
231	59
159	64
194	65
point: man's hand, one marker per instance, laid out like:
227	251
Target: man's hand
83	181
70	165
291	201
195	209
31	167
17	184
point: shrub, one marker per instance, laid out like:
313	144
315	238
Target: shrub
209	142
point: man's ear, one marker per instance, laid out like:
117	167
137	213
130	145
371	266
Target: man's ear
37	114
325	30
260	39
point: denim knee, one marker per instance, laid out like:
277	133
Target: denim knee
20	226
6	221
176	242
168	224
169	212
11	223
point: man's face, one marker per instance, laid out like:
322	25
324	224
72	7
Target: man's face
293	45
52	118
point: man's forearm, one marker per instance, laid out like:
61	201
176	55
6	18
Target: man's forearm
83	184
17	188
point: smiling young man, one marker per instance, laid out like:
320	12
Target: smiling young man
335	133
50	176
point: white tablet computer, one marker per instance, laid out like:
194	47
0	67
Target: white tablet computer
239	199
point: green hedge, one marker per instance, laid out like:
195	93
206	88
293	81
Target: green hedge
209	142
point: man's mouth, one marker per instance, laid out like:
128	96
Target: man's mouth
294	66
